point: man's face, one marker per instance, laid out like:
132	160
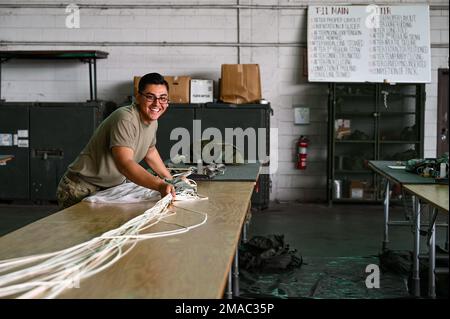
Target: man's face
152	102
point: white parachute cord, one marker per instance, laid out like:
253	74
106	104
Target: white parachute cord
52	276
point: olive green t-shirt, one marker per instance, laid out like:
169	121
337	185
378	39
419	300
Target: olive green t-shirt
123	127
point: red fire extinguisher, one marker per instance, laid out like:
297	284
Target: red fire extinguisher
302	152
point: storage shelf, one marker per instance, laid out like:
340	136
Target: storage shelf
396	113
356	114
399	142
359	95
354	141
372	114
352	171
398	96
386	130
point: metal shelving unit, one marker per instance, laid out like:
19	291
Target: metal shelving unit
386	122
86	56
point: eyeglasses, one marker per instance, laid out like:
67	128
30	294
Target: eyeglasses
152	98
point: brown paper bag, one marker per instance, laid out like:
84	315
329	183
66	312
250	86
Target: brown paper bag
240	83
178	88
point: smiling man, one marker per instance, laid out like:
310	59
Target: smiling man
121	141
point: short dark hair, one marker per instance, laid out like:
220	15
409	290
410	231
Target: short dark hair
152	78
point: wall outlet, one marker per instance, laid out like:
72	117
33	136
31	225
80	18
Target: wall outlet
301	115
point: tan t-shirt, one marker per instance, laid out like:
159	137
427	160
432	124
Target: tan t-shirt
123	127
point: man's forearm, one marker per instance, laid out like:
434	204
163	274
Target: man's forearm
161	170
138	175
155	162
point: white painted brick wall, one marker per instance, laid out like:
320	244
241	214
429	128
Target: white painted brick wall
281	67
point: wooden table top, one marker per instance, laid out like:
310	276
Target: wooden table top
436	195
189	265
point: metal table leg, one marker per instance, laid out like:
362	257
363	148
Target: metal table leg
244	232
386	216
91	87
416	277
1	62
446	237
236	273
432	252
95	79
248	217
229	291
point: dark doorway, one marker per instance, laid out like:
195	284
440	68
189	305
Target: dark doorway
442	113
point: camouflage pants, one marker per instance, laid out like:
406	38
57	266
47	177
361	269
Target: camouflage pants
72	189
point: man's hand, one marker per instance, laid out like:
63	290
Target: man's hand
165	189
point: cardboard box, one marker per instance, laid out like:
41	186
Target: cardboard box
342	128
178	88
240	83
201	91
136	85
356	189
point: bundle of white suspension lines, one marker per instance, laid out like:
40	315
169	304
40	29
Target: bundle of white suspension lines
47	275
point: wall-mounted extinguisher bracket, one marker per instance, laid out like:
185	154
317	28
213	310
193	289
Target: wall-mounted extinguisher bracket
302	152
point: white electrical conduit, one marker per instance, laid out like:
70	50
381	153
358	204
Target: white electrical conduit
47	275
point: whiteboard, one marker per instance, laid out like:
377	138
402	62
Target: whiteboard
369	44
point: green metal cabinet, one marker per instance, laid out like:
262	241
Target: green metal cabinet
212	115
176	116
58	133
49	135
253	116
15	175
219	116
370	121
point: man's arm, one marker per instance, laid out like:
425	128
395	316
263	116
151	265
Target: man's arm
123	158
153	159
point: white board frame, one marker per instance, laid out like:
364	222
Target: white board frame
363	67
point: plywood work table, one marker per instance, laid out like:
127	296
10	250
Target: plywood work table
190	265
422	189
436	196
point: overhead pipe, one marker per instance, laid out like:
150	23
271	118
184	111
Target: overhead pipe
238	38
176	44
180	6
154	44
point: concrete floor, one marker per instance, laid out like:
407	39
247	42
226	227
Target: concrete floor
336	245
13	217
342	230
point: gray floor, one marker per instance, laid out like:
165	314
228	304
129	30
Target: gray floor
13	217
336	245
342	230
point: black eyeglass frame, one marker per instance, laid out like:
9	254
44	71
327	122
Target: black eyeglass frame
152	98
